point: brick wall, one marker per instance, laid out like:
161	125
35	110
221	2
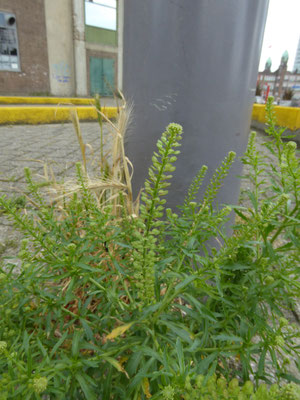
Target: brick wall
31	29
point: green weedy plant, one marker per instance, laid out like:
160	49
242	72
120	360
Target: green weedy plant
112	302
151	212
218	389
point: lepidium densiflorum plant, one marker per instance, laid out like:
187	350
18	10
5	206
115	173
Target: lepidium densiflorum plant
199	222
151	212
199	388
114	302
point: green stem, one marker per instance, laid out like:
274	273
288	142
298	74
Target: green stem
283	225
100	121
219	349
28	229
166	299
156	187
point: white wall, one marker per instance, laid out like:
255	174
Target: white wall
59	26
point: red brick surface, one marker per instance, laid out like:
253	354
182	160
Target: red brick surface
31	28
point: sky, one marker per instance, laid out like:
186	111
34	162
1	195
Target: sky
282	32
102	14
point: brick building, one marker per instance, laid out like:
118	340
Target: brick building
60	47
279	81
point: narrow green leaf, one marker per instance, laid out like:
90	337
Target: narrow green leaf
42	348
75	343
87	329
185	283
26	342
115	364
290	378
179	330
261	363
241	215
229	338
206	363
86	388
134	362
107	387
180	355
58	344
147	351
202	309
143	373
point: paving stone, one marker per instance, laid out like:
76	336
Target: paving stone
55	144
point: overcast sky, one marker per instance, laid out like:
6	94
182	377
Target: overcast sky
281	33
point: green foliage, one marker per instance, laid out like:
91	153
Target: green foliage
215	388
151	211
17	201
115	305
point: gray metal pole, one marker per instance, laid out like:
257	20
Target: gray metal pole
193	62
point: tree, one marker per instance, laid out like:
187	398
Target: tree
258	90
288	94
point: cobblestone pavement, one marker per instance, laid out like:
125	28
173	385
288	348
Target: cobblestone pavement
34	146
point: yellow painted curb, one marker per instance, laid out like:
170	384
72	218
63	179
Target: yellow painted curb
46	100
288	117
47	115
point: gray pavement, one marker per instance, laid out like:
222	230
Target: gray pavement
34	146
56	146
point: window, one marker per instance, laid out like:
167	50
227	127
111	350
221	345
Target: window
269	78
9	51
101	14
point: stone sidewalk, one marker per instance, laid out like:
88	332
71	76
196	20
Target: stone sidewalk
34	146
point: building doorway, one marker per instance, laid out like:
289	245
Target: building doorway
102	76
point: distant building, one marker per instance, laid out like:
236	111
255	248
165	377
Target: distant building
297	59
60	47
279	81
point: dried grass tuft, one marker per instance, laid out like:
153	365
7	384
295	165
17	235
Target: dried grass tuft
111	180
